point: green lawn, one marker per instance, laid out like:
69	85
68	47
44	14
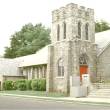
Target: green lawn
34	93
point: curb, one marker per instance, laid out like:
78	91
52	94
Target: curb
66	99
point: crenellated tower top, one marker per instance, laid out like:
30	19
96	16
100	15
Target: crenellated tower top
72	10
73	21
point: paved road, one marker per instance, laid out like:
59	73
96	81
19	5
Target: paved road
14	103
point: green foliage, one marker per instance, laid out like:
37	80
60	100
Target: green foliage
38	85
20	81
8	85
27	41
101	26
42	85
28	84
34	85
21	86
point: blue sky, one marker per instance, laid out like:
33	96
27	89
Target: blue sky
16	13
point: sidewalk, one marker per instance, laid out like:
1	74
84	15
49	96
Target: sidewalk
65	99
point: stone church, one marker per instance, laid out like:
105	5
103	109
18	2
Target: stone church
75	50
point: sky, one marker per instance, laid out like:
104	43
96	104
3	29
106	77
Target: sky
16	13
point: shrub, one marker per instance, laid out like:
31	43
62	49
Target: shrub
14	85
21	86
42	85
34	85
38	84
21	80
8	85
28	84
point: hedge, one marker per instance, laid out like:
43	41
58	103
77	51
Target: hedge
8	85
36	85
28	84
21	86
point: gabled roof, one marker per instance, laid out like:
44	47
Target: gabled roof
40	57
10	66
103	40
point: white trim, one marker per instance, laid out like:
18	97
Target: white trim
60	77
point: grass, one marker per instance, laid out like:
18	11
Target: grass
35	93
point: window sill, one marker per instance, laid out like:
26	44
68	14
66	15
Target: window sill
60	77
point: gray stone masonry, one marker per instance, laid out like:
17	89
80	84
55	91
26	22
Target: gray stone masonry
72	47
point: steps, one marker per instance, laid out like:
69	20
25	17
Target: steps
100	91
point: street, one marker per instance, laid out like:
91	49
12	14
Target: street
13	103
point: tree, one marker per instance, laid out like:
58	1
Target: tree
27	41
101	26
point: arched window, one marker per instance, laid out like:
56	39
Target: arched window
83	59
86	31
58	32
60	67
79	30
64	26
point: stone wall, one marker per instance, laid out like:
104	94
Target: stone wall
70	51
70	48
103	65
58	83
89	49
71	14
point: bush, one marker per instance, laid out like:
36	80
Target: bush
21	80
34	85
28	84
14	85
21	86
42	85
38	84
8	85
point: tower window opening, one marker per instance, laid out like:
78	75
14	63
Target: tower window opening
64	24
79	30
86	31
58	32
60	67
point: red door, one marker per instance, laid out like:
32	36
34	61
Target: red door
83	70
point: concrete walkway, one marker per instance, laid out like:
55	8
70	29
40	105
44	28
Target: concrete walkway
65	99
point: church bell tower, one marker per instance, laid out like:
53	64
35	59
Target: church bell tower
73	49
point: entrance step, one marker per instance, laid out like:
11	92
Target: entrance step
100	91
101	85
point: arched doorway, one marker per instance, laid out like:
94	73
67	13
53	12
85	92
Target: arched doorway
83	65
